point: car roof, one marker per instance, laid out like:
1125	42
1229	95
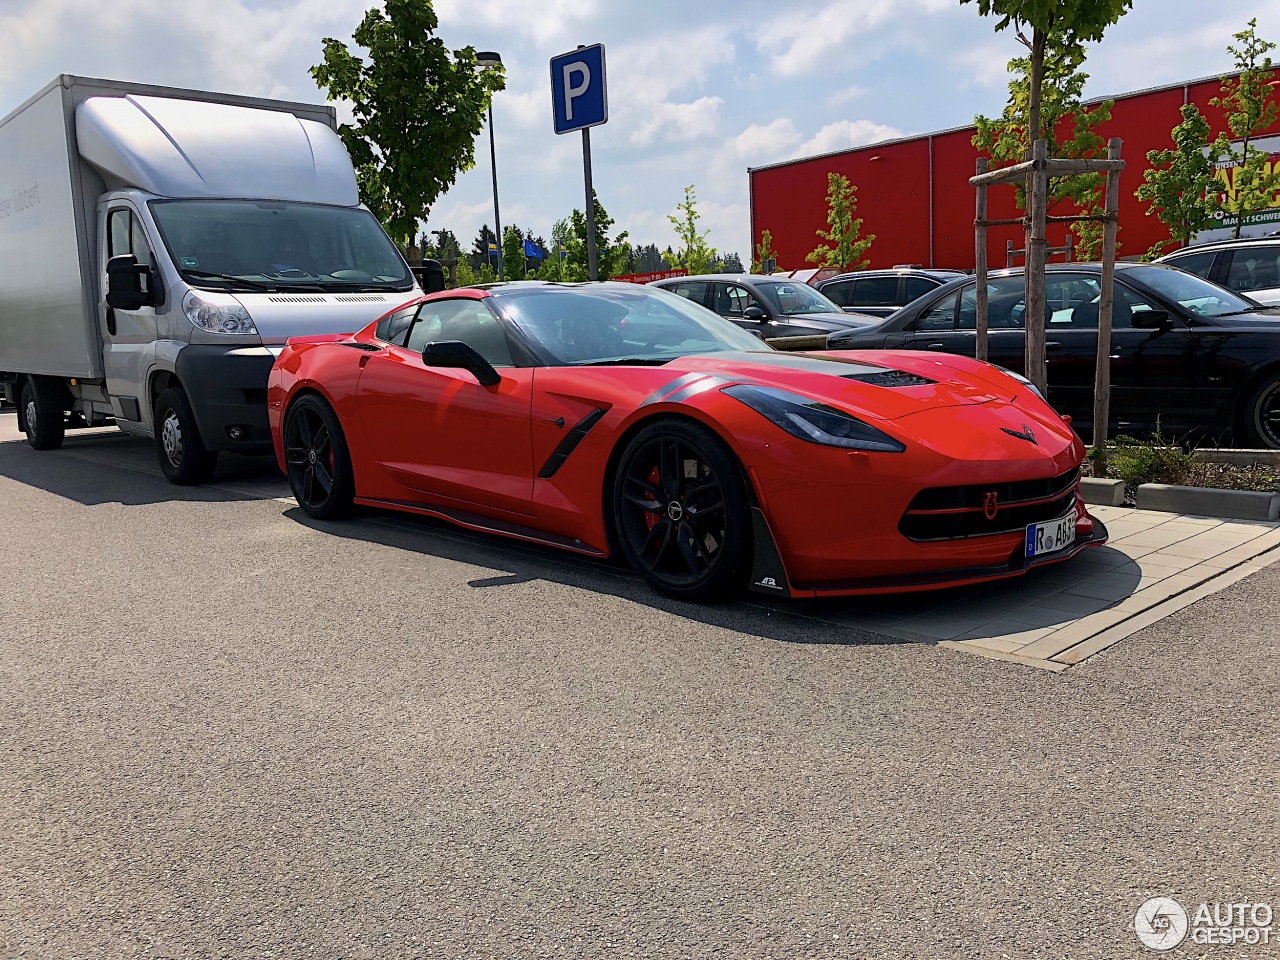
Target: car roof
1223	245
937	273
738	277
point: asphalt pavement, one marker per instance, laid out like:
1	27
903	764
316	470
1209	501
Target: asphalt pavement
229	731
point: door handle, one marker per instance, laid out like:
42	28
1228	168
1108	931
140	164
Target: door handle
935	346
1052	345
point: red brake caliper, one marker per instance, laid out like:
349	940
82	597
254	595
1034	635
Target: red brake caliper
651	517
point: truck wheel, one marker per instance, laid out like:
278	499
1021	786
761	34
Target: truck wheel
43	418
183	456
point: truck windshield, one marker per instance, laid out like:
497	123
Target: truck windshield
282	245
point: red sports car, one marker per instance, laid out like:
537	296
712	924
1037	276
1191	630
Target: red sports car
614	419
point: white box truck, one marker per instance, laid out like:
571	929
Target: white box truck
158	247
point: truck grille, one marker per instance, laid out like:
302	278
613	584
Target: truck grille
950	513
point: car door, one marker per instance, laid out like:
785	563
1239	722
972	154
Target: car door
950	325
128	336
439	433
1152	376
695	290
875	296
1254	272
731	300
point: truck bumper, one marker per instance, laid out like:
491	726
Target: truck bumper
227	387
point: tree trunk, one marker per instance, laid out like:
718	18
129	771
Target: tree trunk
1037	81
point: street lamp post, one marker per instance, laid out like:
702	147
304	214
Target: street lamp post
487	59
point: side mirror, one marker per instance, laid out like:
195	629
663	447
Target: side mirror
128	283
1151	320
754	313
455	353
430	276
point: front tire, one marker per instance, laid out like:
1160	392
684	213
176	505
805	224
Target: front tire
43	418
182	454
317	458
1262	414
682	512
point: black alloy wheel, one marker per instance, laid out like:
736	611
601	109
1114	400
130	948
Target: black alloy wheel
1262	414
682	513
319	465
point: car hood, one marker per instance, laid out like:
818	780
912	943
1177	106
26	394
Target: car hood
881	384
831	321
1266	319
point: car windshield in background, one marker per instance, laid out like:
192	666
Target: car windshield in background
279	244
586	325
1199	296
793	298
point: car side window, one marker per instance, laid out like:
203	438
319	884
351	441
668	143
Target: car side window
695	291
467	320
730	299
1201	264
125	235
875	292
941	316
391	328
917	287
1251	269
1005	305
838	293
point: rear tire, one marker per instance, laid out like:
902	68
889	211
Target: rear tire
317	460
1262	414
183	456
682	511
43	418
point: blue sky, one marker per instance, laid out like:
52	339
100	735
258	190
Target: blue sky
697	91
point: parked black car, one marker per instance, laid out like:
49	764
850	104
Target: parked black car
771	308
879	293
1186	352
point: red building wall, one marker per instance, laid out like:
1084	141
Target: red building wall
914	194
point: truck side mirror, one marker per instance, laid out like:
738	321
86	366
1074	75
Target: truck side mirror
128	283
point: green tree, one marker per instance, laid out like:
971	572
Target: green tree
484	248
1007	138
1180	183
513	259
845	244
611	255
764	251
1071	23
1246	101
732	264
418	109
696	255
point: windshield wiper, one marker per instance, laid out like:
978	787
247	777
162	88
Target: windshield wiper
207	275
627	361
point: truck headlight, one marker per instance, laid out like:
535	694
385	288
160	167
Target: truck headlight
218	317
813	421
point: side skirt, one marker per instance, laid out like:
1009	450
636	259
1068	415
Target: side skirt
480	524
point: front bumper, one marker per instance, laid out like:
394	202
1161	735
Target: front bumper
227	387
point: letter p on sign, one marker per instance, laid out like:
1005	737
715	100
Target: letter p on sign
578	97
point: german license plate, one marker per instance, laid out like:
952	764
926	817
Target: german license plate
1051	536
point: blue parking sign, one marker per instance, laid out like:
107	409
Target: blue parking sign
578	98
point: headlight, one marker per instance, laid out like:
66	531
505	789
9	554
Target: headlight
226	316
1023	380
813	421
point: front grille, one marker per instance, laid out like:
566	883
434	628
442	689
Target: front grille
890	378
950	513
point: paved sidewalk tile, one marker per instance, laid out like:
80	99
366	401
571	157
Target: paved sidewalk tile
1059	616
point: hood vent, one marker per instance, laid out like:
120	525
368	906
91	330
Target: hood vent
891	378
360	298
296	298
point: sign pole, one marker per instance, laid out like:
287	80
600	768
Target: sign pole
592	273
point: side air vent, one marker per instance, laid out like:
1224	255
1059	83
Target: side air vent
360	298
296	298
891	378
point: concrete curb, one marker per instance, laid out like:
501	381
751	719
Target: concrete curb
1106	493
1209	501
1239	458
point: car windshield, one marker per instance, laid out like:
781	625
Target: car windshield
612	324
1200	297
284	245
793	297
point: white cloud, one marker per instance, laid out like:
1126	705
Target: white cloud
544	22
847	95
845	134
680	121
803	42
